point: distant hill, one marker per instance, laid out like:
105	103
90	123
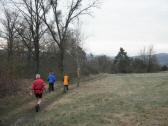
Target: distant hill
162	58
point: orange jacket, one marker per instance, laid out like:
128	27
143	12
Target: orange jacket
66	80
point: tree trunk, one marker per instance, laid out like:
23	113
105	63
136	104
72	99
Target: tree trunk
37	52
78	76
37	61
37	64
149	64
62	62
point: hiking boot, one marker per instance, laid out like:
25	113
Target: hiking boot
37	107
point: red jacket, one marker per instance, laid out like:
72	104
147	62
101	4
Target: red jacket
38	86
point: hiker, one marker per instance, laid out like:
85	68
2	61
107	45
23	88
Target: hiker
66	83
38	87
51	80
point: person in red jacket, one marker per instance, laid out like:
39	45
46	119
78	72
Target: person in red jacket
38	87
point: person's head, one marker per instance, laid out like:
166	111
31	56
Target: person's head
37	76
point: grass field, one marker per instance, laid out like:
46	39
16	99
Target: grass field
112	100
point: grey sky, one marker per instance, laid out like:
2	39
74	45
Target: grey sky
131	24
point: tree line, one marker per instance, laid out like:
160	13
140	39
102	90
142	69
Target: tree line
145	62
29	23
41	36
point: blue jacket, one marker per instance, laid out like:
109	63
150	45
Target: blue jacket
51	78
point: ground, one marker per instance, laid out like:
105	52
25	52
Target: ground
106	100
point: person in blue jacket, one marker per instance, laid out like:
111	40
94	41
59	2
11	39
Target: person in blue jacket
51	80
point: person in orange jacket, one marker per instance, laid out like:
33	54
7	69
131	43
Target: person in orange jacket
66	83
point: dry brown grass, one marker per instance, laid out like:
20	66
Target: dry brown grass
111	100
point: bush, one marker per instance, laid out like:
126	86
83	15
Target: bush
164	68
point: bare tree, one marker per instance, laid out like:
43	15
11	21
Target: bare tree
149	59
8	33
31	11
78	55
78	40
9	22
60	22
26	37
56	18
152	60
75	50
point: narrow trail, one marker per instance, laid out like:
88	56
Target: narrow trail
26	112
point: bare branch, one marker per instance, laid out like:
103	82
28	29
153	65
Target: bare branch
85	10
45	21
54	7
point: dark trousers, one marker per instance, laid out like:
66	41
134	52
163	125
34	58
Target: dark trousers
65	88
51	87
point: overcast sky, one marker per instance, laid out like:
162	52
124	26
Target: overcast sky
131	24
